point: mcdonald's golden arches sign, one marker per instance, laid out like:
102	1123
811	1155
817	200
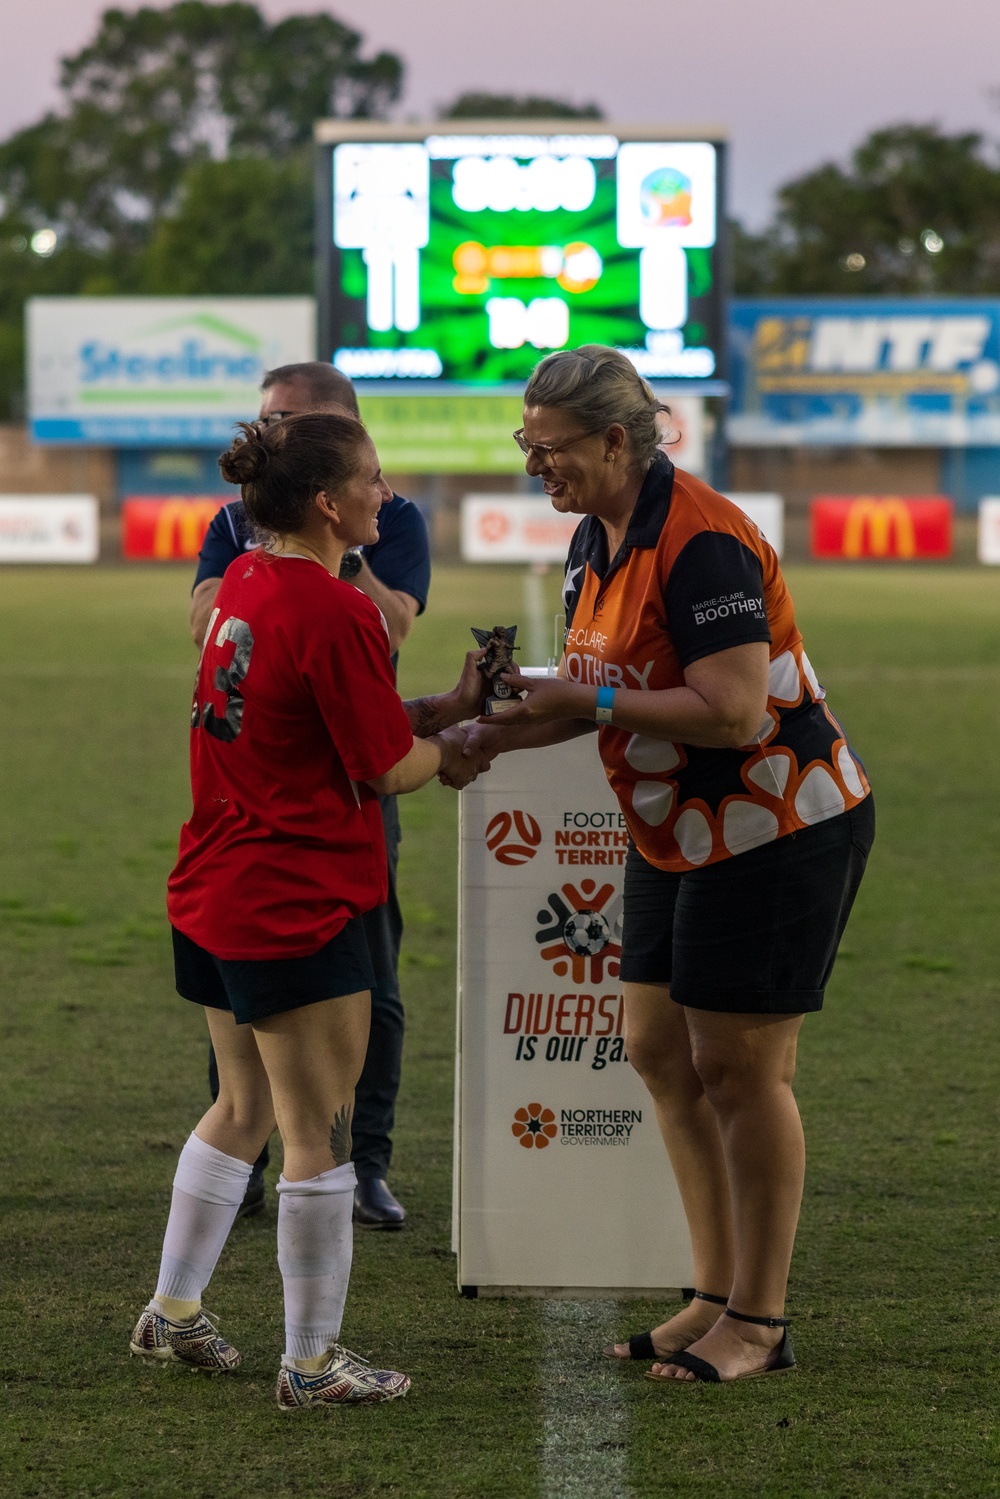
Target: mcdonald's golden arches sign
167	528
881	527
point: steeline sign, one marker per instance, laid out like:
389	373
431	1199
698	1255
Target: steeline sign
156	371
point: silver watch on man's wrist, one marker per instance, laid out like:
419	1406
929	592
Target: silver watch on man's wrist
350	564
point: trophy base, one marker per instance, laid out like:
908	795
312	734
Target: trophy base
495	705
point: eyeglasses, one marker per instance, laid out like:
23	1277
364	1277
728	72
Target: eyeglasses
545	451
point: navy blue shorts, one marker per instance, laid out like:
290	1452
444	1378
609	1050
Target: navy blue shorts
756	934
254	988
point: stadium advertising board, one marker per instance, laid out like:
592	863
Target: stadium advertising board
166	528
469	433
988	548
171	471
881	527
49	528
514	528
460	254
156	371
444	434
556	1139
767	511
870	371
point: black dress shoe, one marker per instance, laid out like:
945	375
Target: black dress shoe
253	1197
375	1206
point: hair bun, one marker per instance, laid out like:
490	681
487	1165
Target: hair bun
246	460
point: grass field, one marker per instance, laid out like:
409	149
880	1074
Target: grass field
894	1290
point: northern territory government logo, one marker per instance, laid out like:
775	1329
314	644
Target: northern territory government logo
535	1126
580	933
513	837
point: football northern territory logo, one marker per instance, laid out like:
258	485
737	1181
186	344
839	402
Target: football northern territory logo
513	837
580	932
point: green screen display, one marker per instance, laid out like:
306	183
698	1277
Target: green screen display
462	259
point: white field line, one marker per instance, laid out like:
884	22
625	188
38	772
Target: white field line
585	1420
537	653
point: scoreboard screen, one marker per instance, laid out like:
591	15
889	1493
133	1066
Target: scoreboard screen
461	257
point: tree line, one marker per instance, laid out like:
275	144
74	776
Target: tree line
180	162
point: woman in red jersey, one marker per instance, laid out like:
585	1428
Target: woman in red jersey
750	822
296	729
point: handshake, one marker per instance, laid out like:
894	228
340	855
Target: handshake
469	747
467	751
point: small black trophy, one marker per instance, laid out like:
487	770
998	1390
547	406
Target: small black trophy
500	648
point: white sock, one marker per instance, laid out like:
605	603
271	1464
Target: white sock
315	1246
208	1188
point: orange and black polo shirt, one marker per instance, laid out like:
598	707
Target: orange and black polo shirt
694	576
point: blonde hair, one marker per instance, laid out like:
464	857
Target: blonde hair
600	386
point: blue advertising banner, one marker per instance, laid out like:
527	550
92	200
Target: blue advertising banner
170	471
870	371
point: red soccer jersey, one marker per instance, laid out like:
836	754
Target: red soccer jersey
295	709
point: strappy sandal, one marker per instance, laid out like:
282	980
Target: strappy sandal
779	1361
640	1345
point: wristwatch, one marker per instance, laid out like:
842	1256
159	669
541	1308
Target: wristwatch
350	564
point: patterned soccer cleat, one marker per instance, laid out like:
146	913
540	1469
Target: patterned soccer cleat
346	1380
195	1344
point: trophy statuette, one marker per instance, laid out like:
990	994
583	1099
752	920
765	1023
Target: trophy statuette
500	648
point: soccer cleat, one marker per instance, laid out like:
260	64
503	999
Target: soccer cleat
346	1380
196	1344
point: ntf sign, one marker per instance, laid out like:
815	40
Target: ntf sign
880	528
166	528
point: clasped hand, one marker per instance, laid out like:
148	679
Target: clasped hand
461	762
472	688
470	750
544	700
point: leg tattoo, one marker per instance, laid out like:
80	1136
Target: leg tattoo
340	1136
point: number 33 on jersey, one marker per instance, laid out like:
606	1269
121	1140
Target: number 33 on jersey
227	680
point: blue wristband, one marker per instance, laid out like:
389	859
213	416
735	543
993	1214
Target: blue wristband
605	704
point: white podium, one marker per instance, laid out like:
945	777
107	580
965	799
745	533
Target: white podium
562	1183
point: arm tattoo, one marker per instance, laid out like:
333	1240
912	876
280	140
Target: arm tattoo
340	1136
427	715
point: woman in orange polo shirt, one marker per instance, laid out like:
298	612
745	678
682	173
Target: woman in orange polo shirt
750	823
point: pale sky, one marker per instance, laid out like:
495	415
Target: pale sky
795	82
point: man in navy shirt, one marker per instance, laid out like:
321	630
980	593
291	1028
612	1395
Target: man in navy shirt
395	573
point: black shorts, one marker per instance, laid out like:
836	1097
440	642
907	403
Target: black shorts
254	988
756	934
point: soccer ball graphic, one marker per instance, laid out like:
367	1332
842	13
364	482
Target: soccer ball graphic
587	933
579	931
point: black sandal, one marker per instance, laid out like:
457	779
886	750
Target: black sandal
640	1345
779	1361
